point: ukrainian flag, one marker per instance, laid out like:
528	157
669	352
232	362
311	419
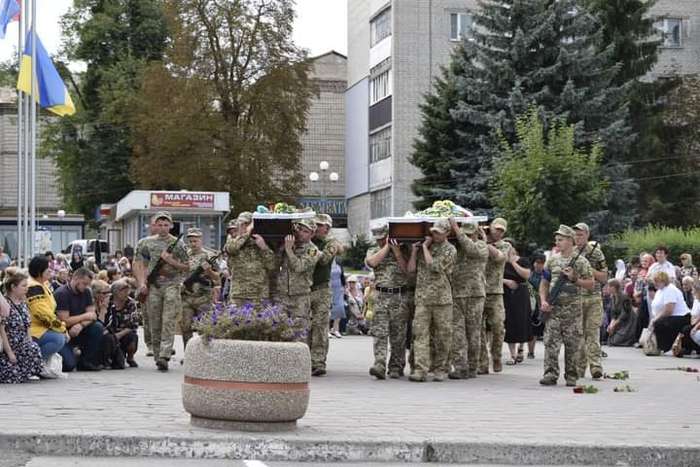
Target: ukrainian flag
9	11
53	95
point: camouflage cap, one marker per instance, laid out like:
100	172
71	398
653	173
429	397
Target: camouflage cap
582	226
565	231
380	231
324	219
442	226
163	215
308	223
499	223
470	228
245	217
233	224
194	232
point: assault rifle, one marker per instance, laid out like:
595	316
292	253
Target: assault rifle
562	280
197	276
153	275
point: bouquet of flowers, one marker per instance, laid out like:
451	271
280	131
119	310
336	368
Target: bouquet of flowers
278	208
444	209
248	322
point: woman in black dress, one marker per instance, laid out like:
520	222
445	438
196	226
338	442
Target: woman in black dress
516	300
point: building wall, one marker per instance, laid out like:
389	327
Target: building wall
686	59
358	215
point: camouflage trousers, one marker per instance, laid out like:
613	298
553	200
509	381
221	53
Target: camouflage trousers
241	301
191	305
492	330
432	337
164	305
146	324
298	308
389	329
589	348
318	336
563	327
467	313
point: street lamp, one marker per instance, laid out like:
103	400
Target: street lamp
332	177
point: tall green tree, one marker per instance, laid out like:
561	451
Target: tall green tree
116	40
226	107
543	179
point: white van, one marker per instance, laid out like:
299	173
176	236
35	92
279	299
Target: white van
87	247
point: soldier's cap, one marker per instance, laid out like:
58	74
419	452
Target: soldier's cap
245	217
380	231
442	226
194	232
308	223
582	226
233	224
500	223
565	231
470	228
163	215
324	219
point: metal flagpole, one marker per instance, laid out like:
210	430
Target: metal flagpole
27	102
35	92
20	147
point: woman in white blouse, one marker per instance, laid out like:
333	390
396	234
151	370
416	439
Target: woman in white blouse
669	313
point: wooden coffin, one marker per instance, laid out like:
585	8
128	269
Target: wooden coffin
415	229
274	227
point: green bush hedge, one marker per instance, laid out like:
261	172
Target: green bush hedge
632	242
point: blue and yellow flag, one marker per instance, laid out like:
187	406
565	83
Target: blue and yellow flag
53	95
9	11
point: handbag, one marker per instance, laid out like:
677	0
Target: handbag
649	345
53	367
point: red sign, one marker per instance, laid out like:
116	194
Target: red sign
177	199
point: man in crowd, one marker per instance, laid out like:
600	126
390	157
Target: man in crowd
250	262
390	318
662	264
298	260
164	303
492	326
432	324
592	303
564	316
468	295
76	308
329	247
205	290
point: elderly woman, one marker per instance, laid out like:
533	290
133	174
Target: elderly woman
516	301
622	330
123	320
687	269
111	354
668	312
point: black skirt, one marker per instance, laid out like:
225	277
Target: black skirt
517	305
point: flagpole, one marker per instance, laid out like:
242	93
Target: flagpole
20	136
27	102
35	92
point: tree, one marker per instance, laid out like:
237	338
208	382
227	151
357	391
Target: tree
543	181
532	52
8	73
354	257
227	105
93	148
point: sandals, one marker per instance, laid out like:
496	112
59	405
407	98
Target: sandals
512	361
520	358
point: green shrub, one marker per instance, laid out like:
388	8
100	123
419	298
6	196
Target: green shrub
632	242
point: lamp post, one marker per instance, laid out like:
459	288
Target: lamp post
331	177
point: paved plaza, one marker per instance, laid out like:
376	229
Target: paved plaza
498	418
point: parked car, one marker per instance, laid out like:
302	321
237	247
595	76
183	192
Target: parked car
87	247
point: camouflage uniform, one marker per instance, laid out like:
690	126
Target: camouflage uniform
433	319
468	294
592	308
390	307
200	296
249	267
321	301
564	323
492	326
294	285
164	303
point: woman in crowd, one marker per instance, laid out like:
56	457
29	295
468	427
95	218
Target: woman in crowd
689	338
622	330
20	360
123	320
687	285
536	321
111	355
49	332
76	261
113	275
687	269
338	297
516	301
668	312
354	297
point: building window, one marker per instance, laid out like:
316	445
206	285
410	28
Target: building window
380	145
380	203
460	25
380	27
671	31
380	87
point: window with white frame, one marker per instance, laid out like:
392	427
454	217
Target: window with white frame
380	27
380	145
460	25
380	87
671	30
380	203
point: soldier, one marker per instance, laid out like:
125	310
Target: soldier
143	305
492	325
390	320
202	293
433	318
321	293
592	303
468	295
250	263
164	302
564	317
298	260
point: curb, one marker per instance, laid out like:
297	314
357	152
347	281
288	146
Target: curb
270	448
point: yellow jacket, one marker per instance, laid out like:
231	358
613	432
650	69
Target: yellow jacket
42	308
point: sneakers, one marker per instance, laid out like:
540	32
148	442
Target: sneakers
416	378
331	335
548	380
377	372
162	364
337	334
318	372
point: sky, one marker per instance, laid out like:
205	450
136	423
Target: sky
320	26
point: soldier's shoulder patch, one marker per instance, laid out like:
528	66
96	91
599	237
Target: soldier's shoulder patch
313	251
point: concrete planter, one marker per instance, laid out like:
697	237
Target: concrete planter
246	385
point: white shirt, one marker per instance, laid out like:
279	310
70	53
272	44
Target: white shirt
669	294
695	311
666	267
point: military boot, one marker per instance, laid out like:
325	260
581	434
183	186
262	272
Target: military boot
548	380
378	372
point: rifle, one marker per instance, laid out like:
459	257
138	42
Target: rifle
562	280
196	276
153	275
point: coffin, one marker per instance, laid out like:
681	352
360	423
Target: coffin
415	229
274	227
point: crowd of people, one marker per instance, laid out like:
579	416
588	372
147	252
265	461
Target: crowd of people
442	307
